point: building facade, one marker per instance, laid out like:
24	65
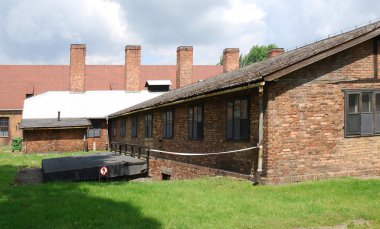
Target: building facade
18	82
313	110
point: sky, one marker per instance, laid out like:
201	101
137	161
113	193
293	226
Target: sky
41	31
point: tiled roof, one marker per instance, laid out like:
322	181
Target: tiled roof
54	123
18	80
254	72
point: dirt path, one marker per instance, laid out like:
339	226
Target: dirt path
29	176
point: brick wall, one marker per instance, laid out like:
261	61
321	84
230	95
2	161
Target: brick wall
180	170
77	67
184	71
14	120
214	134
63	140
101	143
230	59
132	67
304	121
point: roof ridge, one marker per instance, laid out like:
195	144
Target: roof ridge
254	72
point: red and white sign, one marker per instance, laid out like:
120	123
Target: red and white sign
103	171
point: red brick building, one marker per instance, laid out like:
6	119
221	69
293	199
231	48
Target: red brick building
18	82
314	110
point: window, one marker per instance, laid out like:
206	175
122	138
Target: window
113	128
237	120
148	125
28	95
4	127
168	124
96	130
134	126
196	122
362	113
122	127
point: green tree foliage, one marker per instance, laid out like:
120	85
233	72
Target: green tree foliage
256	53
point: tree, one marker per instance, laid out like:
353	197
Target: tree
256	53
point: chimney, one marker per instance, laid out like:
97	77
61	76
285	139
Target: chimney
77	67
59	116
230	59
184	72
132	67
275	52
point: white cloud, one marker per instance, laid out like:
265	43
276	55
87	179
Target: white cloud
55	24
41	31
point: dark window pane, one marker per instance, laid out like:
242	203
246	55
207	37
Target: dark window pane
377	123
200	114
244	109
148	125
353	124
366	124
236	129
168	124
230	123
230	107
191	113
237	109
134	127
353	103
244	128
378	102
366	102
196	122
96	129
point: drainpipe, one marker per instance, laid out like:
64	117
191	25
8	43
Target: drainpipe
261	132
108	136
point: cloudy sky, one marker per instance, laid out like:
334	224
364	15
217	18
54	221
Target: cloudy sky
41	31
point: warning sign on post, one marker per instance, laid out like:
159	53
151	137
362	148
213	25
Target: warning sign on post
103	171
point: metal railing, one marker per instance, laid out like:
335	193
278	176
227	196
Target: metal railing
138	151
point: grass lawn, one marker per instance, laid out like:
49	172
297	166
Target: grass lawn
202	203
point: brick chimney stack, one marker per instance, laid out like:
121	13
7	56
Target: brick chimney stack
132	67
77	67
230	59
275	52
184	71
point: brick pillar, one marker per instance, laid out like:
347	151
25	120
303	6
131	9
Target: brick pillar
77	67
275	52
132	67
184	72
230	59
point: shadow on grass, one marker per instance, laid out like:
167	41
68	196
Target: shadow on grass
66	205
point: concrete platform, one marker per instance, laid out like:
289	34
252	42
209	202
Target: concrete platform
88	167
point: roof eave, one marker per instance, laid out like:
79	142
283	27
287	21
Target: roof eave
54	128
224	90
323	55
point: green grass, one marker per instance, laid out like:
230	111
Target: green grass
202	203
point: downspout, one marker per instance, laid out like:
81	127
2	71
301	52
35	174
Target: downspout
108	136
375	57
261	133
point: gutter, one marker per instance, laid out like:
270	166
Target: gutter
10	109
